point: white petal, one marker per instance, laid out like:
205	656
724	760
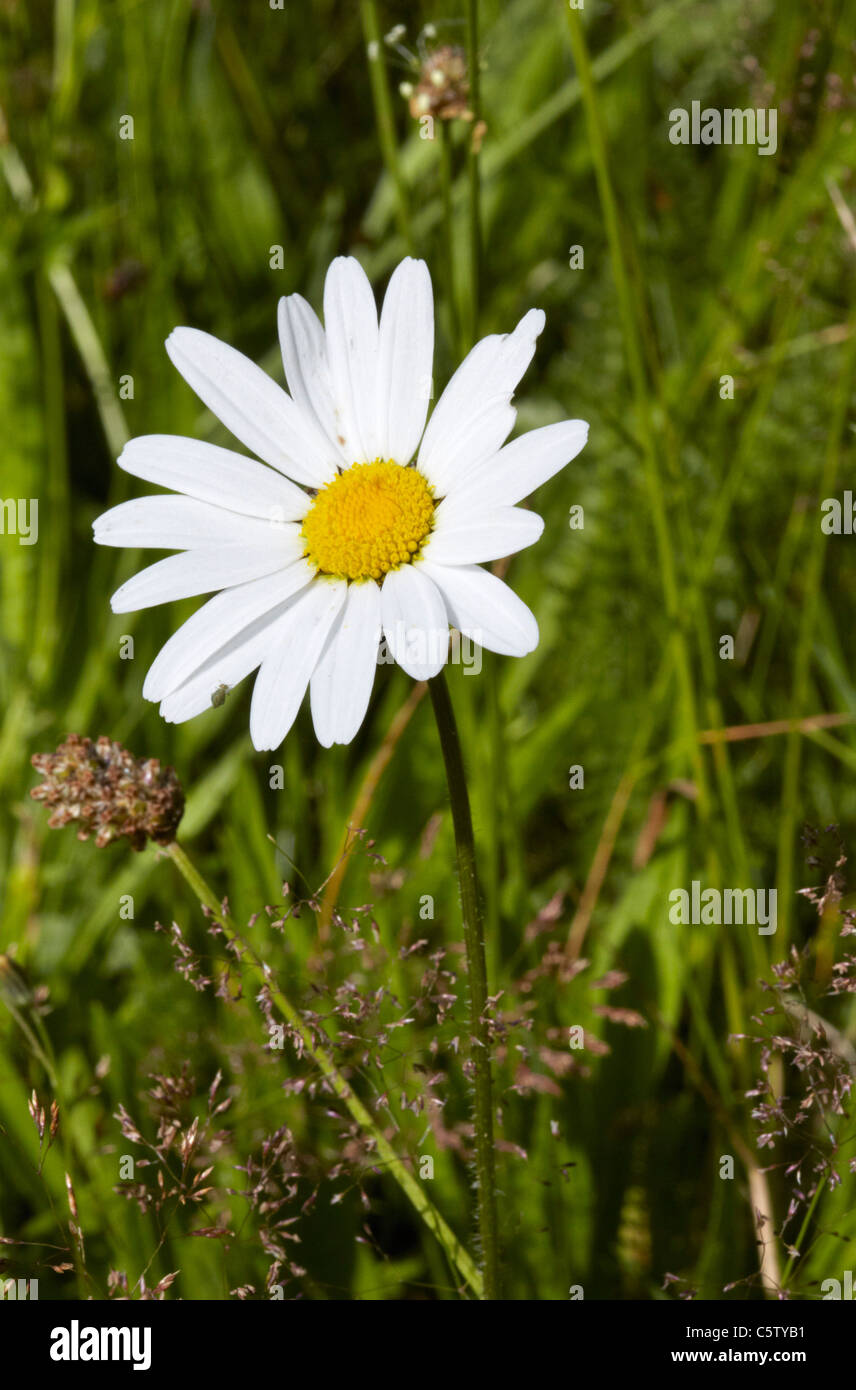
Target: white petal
229	664
341	684
480	434
217	623
464	536
405	359
296	642
485	609
415	624
492	369
252	406
518	349
182	523
214	475
196	572
350	322
523	465
304	357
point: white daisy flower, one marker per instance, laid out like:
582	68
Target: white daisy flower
339	535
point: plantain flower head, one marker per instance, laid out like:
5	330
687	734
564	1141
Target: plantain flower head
105	791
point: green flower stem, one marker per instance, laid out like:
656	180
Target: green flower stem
320	1054
384	115
477	974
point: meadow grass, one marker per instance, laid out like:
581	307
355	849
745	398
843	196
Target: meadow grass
258	132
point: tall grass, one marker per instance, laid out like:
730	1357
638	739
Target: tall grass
258	129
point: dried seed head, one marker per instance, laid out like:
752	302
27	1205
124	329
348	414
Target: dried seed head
443	88
37	1115
72	1200
108	792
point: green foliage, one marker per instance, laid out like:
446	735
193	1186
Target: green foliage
255	128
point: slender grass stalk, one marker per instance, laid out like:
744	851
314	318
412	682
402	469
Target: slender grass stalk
384	116
92	354
42	1054
40	1045
74	309
320	1054
636	367
48	623
445	143
805	645
474	171
362	805
796	1245
477	975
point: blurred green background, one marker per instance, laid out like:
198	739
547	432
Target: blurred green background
255	129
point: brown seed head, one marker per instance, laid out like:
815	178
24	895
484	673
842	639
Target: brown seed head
443	88
108	792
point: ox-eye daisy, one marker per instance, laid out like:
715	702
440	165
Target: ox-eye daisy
339	536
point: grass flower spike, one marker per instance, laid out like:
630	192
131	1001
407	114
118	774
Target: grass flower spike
354	522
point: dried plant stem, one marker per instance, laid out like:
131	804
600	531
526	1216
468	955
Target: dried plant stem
760	1197
477	975
320	1054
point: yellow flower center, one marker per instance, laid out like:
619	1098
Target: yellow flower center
373	518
